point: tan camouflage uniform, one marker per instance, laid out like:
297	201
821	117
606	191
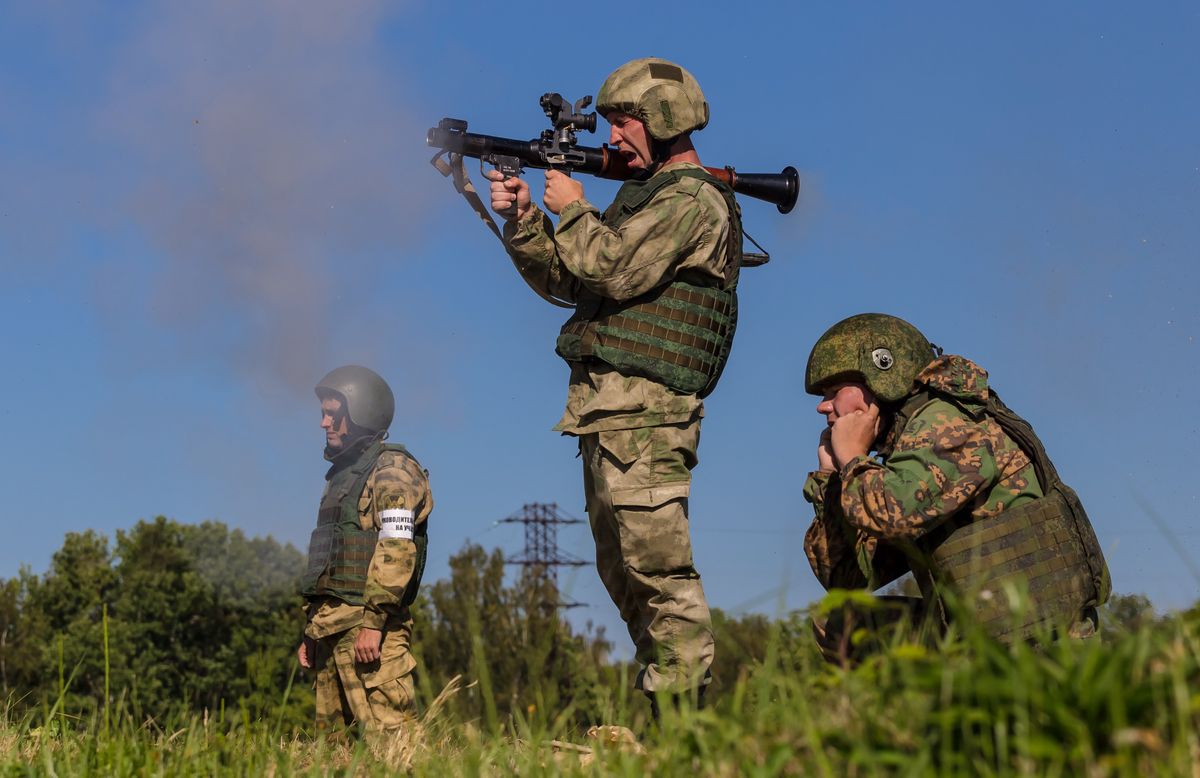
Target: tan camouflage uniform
380	695
637	437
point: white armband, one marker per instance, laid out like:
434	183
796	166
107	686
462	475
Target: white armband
396	523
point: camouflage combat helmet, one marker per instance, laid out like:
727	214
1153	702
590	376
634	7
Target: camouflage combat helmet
368	399
664	96
884	352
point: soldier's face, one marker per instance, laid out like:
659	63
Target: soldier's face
844	399
631	139
333	421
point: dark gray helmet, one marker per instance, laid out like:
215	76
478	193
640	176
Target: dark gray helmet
369	401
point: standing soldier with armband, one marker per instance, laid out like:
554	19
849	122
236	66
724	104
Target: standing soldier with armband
365	560
653	281
960	492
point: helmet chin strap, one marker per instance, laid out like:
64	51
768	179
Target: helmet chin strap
660	151
362	438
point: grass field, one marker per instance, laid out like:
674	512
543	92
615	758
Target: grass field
1127	705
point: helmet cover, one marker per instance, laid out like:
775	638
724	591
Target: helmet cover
662	95
884	352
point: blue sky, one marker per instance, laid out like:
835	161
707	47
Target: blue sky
204	207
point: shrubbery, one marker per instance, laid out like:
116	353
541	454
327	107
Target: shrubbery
201	619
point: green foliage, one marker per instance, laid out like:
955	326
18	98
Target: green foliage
202	619
58	627
243	572
509	642
1124	706
203	624
1127	613
199	618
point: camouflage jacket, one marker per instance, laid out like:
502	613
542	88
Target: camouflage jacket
679	232
941	463
396	482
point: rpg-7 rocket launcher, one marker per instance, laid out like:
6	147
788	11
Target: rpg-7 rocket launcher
557	148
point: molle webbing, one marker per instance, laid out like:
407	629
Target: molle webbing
1034	545
340	550
678	334
349	562
1047	545
1022	432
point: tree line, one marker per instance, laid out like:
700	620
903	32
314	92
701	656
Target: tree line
174	619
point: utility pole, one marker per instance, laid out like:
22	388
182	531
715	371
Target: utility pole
542	555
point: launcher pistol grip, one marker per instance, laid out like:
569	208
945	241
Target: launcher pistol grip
507	165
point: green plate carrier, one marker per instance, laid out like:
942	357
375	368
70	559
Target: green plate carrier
1046	547
340	550
678	334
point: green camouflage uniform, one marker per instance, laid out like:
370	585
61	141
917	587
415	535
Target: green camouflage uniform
638	438
940	465
379	695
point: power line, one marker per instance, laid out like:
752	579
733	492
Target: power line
542	556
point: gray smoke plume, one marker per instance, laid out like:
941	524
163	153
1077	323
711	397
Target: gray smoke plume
269	154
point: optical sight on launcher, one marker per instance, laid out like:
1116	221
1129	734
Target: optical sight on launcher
557	148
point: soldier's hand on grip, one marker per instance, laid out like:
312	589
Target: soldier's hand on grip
510	196
302	655
561	191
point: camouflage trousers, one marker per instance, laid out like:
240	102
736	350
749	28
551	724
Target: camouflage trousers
378	696
637	483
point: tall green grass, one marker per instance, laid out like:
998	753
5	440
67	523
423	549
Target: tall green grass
1125	705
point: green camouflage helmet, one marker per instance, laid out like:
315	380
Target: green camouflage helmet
664	96
369	401
884	352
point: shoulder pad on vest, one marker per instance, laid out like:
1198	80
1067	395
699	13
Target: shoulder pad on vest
394	451
389	459
691	184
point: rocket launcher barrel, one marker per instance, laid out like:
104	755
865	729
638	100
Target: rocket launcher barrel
511	156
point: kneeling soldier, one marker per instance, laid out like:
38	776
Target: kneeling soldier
365	559
961	492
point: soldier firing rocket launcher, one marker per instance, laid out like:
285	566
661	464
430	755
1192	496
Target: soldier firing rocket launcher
557	148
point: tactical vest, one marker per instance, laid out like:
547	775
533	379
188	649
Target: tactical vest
678	334
1047	546
340	550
